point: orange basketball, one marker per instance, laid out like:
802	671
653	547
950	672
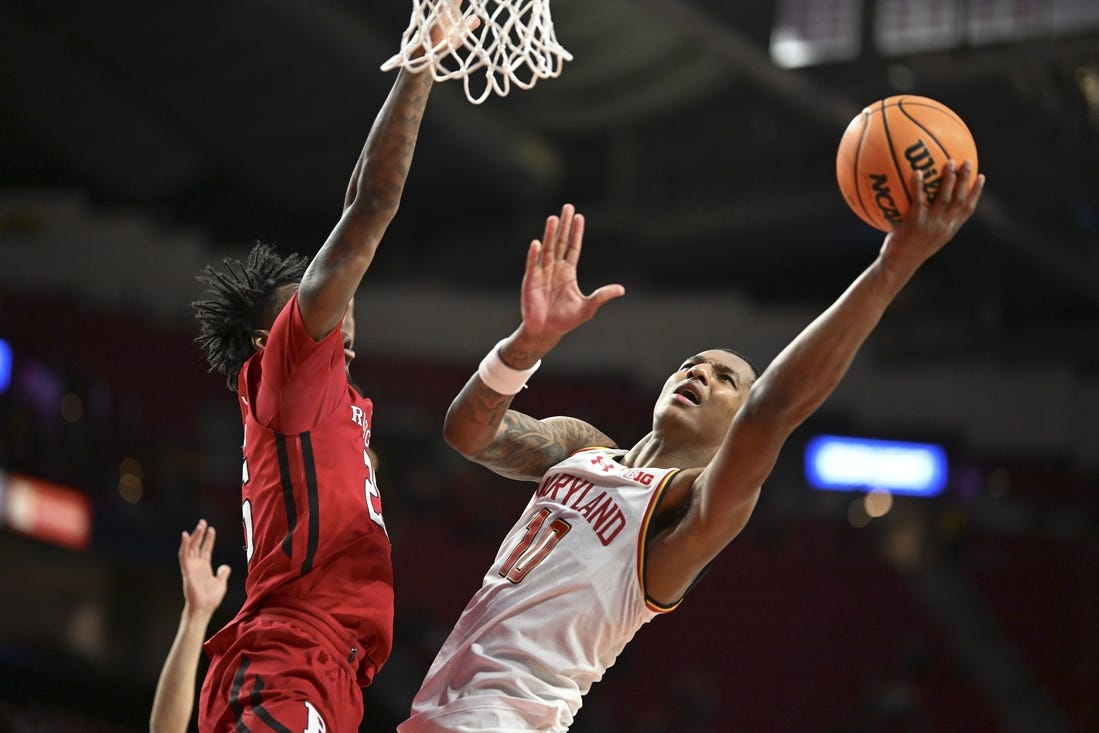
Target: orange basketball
889	140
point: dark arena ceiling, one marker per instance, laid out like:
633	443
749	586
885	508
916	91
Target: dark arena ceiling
702	165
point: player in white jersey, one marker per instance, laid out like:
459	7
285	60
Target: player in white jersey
570	620
613	537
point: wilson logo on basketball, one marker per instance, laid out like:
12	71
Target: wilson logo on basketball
889	140
920	158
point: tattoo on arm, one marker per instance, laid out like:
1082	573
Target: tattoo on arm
481	426
383	167
370	203
525	448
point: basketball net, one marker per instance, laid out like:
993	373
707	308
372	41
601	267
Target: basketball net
514	44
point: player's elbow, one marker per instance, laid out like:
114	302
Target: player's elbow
364	204
455	439
458	436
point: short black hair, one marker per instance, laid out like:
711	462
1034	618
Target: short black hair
236	299
734	352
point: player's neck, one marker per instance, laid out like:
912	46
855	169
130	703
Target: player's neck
657	451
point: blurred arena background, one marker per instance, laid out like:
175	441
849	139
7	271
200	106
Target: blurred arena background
140	141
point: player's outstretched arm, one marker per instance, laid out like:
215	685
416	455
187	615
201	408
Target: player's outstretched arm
374	192
479	424
203	592
803	375
373	196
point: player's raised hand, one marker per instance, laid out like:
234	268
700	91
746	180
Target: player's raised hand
927	227
203	589
450	29
552	301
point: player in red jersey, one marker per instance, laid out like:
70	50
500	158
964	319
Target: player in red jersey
317	623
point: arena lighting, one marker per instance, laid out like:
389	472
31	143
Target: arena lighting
5	366
46	511
838	463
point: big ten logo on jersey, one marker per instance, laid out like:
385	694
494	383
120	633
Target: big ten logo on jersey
373	495
642	477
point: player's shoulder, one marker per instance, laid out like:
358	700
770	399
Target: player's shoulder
574	434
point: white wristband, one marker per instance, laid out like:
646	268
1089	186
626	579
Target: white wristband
499	377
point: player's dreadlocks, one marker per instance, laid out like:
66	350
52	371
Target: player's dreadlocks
238	298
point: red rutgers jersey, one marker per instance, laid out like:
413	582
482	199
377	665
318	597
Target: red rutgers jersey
313	525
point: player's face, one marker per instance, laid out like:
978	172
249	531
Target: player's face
705	393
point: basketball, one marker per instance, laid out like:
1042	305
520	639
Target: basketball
889	140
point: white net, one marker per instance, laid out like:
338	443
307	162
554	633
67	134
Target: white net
509	41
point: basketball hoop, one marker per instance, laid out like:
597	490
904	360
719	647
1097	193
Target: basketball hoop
513	44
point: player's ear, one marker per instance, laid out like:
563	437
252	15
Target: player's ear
259	338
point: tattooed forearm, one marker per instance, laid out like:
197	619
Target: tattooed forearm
379	176
528	447
480	426
483	407
524	447
474	418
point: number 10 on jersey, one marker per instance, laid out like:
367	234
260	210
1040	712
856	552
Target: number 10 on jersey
538	541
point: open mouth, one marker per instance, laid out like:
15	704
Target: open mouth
690	393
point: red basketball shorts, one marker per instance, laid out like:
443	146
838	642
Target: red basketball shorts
278	674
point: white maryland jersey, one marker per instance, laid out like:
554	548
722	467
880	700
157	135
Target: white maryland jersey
558	605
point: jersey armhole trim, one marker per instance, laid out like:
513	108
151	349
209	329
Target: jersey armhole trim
658	496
